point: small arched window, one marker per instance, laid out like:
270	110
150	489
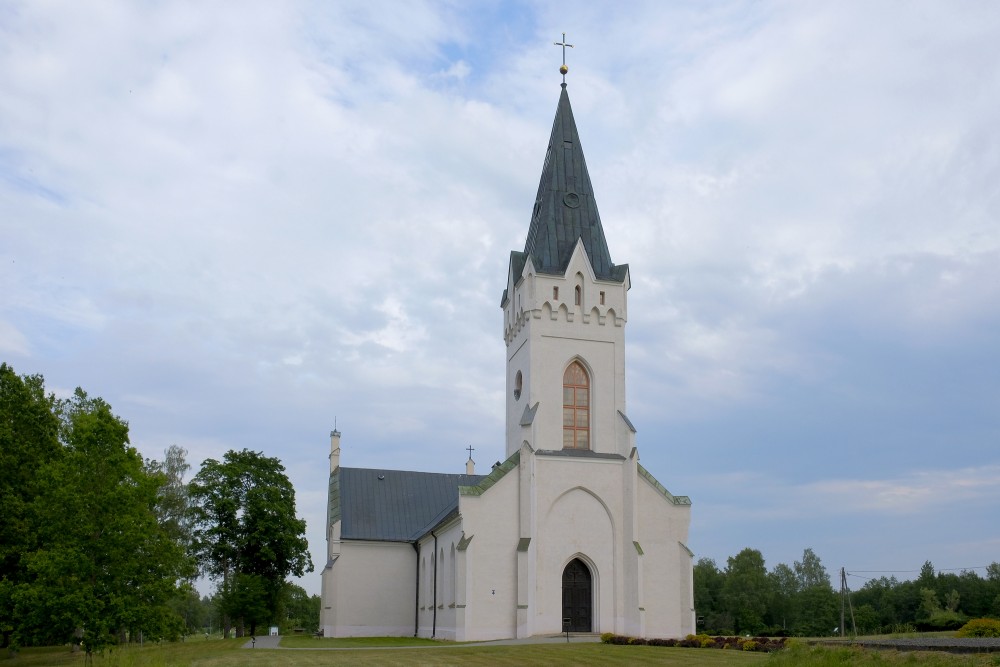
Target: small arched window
576	407
578	295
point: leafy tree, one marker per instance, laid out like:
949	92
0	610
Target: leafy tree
785	585
301	609
188	607
818	611
246	534
747	591
28	440
103	565
816	603
173	505
926	577
810	572
866	619
708	582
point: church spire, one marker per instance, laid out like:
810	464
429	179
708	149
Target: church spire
565	209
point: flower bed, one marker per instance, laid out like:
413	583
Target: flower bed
762	644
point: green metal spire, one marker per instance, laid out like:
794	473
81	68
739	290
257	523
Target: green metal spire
565	208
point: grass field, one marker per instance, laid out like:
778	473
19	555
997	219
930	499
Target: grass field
228	653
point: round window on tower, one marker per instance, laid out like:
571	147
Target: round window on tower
517	386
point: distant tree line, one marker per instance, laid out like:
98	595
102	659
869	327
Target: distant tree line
99	546
799	600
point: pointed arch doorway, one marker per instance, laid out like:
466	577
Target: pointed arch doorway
578	596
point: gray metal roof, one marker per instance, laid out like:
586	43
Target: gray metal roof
565	209
392	505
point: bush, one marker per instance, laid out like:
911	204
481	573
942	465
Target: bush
899	629
942	620
662	642
760	644
980	627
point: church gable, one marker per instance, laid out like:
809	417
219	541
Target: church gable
662	490
485	482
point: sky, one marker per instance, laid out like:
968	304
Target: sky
242	225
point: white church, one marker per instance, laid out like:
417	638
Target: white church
570	532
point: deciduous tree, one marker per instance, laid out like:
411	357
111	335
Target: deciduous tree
29	439
103	564
246	534
746	593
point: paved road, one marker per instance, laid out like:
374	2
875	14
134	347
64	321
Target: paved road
264	641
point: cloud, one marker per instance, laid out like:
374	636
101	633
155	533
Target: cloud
912	493
12	341
237	226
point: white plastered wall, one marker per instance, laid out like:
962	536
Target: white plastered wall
370	590
486	595
580	515
439	591
667	564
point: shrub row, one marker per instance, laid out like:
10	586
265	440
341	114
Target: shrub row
764	644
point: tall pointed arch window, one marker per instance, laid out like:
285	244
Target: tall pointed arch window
576	407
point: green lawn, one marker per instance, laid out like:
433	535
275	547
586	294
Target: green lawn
299	641
227	653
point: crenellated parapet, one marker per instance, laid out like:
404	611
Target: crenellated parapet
577	297
554	311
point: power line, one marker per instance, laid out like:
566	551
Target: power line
937	569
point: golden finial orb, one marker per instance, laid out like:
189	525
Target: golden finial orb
563	69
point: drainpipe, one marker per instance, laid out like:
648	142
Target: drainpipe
434	621
416	602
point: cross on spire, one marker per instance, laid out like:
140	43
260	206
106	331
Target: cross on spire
563	44
471	449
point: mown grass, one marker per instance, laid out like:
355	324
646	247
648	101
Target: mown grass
228	653
299	641
830	656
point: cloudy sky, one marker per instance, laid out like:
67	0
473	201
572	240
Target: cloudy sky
238	224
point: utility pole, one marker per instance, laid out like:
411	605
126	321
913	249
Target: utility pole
843	596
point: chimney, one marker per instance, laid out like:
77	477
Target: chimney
334	450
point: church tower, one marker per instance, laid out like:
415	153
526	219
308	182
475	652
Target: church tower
565	309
